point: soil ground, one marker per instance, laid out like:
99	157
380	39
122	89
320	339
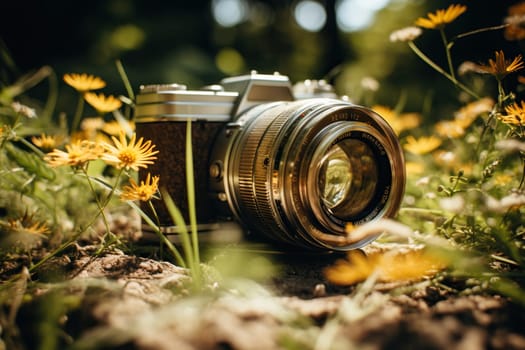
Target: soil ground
123	301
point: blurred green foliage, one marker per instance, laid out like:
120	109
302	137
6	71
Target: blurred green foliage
179	41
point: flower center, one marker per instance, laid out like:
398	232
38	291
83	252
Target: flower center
127	157
75	154
143	194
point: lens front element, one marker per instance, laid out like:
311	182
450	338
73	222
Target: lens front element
347	178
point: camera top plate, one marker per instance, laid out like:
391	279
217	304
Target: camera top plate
174	103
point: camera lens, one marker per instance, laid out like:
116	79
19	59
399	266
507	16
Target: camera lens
300	172
348	178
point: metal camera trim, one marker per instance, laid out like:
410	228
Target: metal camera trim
238	104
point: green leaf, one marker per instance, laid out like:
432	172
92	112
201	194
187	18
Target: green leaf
30	162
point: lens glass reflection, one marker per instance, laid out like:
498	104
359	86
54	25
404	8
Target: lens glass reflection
347	178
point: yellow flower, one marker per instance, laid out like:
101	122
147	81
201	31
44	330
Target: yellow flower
77	154
92	124
398	122
463	118
89	130
423	145
513	119
515	108
114	128
84	135
103	104
84	82
500	67
450	128
414	168
467	114
47	142
440	18
515	29
129	155
389	266
143	192
22	226
356	269
502	179
515	114
27	224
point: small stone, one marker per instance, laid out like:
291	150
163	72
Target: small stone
320	290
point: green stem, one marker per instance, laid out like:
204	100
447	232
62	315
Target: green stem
401	102
449	57
501	96
522	181
178	219
125	79
78	113
103	205
440	70
421	211
174	251
483	131
97	199
478	31
190	184
52	97
62	247
31	147
114	187
72	239
156	227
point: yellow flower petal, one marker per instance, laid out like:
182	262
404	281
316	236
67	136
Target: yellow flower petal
440	18
500	67
47	142
398	122
421	145
515	114
450	128
389	267
143	192
84	82
130	155
102	103
76	154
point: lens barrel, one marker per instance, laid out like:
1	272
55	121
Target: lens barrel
300	172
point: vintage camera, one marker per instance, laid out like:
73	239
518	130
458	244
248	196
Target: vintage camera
294	165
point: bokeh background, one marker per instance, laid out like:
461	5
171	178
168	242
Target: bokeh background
198	42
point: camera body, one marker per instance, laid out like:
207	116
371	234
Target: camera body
295	165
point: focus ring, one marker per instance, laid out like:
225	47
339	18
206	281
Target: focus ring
248	153
255	158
